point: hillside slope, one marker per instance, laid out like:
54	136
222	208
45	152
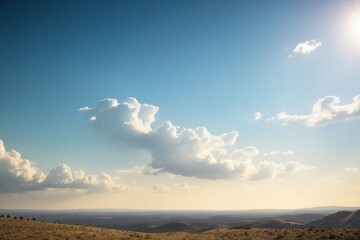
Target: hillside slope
301	218
30	230
275	223
342	219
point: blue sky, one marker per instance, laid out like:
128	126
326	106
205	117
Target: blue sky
206	64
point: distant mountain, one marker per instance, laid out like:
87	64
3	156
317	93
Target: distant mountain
174	227
341	219
325	210
195	221
331	208
301	218
272	223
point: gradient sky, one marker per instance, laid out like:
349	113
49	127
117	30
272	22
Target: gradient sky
284	75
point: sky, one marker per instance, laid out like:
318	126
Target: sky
179	104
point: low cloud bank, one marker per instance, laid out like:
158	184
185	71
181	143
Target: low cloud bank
19	175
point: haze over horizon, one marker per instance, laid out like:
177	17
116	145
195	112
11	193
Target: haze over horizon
202	105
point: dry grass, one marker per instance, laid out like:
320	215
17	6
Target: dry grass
23	229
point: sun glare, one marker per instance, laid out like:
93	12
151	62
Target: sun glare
355	26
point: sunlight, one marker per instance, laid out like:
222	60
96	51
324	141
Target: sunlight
355	27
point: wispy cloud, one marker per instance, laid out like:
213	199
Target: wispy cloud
326	110
181	151
306	47
84	109
161	188
269	170
134	170
258	116
351	169
186	186
277	152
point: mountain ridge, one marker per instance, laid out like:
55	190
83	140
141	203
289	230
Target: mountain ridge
341	219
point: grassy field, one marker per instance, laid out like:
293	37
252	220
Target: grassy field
24	229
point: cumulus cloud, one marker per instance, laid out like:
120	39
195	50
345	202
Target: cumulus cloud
16	171
18	175
258	116
306	47
127	118
63	177
326	110
190	152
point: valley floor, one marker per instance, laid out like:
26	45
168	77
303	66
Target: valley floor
24	229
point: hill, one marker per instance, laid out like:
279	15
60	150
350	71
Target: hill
171	227
175	227
275	223
30	230
152	221
301	218
341	219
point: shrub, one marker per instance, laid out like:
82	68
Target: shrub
332	236
280	236
300	235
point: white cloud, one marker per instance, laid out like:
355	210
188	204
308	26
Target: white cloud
63	177
129	117
306	47
181	151
277	152
84	109
351	169
326	110
185	186
18	175
258	116
16	171
269	170
134	170
161	188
